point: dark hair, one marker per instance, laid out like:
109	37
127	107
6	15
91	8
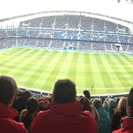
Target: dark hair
26	94
8	88
86	103
87	94
64	91
31	106
130	98
21	100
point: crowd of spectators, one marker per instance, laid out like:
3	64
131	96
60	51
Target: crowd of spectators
62	111
70	27
64	45
75	22
67	35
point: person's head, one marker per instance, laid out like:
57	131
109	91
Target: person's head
97	103
8	89
32	104
32	109
122	104
129	107
85	102
43	103
87	94
64	91
26	94
112	104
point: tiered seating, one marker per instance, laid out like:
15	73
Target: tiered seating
73	22
110	27
108	47
100	35
98	24
61	21
3	33
130	47
124	47
47	22
57	44
86	23
98	47
85	46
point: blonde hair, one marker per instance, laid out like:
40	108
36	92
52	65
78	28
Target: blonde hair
97	103
94	112
122	104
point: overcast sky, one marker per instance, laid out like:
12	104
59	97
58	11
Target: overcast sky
10	8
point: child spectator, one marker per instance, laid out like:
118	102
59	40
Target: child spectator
88	106
21	100
27	114
104	121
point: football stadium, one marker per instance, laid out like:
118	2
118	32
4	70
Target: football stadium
93	50
71	60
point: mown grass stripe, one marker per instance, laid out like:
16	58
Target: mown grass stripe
128	58
104	74
44	61
127	71
20	51
89	78
121	68
26	63
80	72
39	68
62	74
88	71
54	71
111	73
126	64
73	67
117	71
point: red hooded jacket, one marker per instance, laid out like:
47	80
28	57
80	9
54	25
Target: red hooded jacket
128	125
64	118
7	124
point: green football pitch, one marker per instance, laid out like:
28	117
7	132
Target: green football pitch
101	73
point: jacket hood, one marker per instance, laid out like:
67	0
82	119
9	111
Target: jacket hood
66	108
7	112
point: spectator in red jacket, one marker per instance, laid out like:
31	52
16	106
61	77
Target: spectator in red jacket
127	122
64	115
7	92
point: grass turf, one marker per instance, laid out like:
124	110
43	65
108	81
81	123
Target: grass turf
101	73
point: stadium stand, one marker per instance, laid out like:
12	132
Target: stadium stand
70	27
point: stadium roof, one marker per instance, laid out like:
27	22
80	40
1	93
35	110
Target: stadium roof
10	8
